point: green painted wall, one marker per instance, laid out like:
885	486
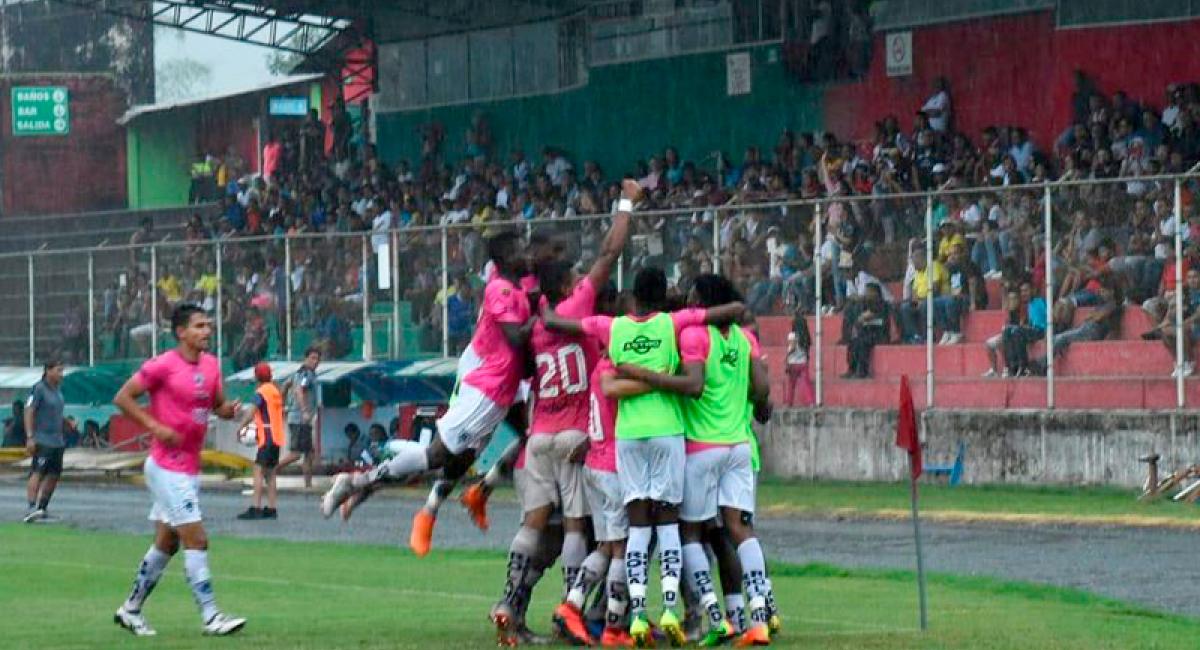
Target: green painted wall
628	111
159	149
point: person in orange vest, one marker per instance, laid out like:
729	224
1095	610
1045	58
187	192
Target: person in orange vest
267	415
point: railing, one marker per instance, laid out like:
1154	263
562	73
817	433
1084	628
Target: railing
415	290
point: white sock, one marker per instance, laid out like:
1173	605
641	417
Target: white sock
150	570
410	459
735	606
618	593
637	566
670	556
574	551
590	574
699	580
195	565
438	493
520	560
503	464
754	578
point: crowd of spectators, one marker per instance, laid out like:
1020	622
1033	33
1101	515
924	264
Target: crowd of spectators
1114	235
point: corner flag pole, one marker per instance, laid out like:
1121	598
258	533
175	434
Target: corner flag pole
909	440
916	519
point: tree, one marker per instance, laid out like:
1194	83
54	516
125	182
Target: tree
281	63
179	79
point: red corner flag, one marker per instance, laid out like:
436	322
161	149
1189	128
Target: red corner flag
906	428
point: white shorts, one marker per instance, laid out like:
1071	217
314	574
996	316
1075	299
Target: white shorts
609	519
651	468
470	420
176	495
720	477
552	477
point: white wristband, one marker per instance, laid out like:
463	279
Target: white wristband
624	205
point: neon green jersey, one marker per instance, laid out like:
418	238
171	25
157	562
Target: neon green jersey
719	415
651	345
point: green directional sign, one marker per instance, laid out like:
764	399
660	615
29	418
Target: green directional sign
41	110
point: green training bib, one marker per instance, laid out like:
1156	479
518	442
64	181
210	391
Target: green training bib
719	415
651	345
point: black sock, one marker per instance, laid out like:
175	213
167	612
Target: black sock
31	505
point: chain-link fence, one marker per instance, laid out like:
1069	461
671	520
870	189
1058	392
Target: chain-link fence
1041	295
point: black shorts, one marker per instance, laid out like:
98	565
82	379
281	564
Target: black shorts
267	457
46	461
301	438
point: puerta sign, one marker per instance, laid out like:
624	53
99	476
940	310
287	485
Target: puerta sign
40	110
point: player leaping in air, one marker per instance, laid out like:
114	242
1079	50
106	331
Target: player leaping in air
489	372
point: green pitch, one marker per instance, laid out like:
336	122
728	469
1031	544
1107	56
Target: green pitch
59	588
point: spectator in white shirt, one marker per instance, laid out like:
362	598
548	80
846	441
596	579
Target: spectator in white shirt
556	164
937	107
1021	149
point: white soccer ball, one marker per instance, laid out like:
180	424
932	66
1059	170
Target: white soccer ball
248	435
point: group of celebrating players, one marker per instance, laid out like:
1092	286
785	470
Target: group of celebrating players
639	421
639	424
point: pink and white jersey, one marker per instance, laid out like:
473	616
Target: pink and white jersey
602	423
181	397
695	345
563	365
492	365
600	327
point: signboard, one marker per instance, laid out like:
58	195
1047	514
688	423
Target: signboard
40	110
737	74
289	106
898	49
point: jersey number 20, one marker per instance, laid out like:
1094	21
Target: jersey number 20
556	372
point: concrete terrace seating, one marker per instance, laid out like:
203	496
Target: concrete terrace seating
60	278
1122	372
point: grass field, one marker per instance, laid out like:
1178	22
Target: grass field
1051	503
59	587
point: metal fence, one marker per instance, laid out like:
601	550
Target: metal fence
416	290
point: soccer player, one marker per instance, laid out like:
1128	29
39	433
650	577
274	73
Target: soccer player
609	520
719	478
43	420
184	385
301	390
489	372
267	416
561	405
649	434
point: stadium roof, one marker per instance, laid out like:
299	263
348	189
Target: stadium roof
400	20
145	109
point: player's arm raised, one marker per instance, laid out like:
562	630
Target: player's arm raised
618	234
127	401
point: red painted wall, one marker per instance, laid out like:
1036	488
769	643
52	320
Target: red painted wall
1017	70
82	171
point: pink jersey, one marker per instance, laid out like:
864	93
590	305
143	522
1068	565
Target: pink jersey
694	346
181	396
499	367
602	423
563	365
600	327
